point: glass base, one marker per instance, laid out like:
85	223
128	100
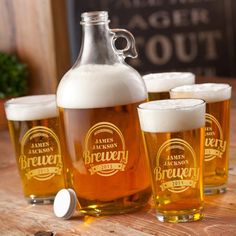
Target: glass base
122	205
210	190
40	200
179	218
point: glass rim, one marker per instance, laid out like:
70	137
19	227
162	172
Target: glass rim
152	76
202	102
228	86
25	101
33	107
208	94
173	117
94	17
165	81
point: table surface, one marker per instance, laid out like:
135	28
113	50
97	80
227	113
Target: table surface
18	218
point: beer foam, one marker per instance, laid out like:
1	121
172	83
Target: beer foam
31	107
172	115
163	82
96	86
210	92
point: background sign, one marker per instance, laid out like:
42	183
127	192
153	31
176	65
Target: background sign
171	35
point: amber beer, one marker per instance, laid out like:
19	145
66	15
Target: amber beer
217	97
159	84
173	133
34	130
104	153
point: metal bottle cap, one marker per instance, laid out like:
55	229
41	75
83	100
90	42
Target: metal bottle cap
65	203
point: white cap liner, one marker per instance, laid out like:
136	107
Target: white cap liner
64	204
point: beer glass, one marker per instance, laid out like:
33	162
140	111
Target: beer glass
217	97
34	130
173	134
159	84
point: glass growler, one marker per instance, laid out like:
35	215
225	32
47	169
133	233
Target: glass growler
97	100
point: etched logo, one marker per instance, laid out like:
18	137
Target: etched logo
176	168
105	153
215	145
40	157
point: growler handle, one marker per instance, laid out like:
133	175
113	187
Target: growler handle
130	49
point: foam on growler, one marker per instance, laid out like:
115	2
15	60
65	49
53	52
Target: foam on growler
96	86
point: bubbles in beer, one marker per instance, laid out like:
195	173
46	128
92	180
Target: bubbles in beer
87	87
210	92
162	82
172	115
31	107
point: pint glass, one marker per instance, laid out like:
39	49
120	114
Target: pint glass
159	84
217	97
34	130
173	133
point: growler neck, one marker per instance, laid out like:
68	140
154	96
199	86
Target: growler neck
97	44
94	17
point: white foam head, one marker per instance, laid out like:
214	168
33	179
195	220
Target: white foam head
210	92
96	86
172	115
163	82
31	107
